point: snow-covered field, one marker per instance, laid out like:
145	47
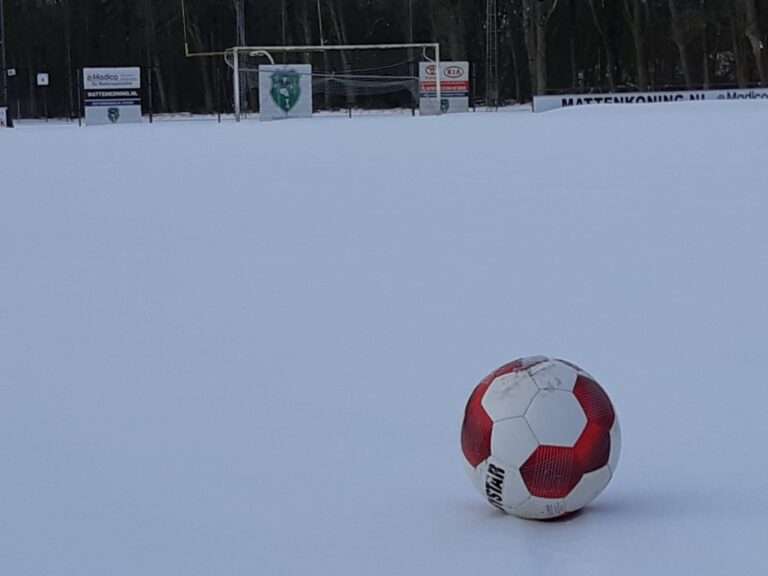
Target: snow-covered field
245	349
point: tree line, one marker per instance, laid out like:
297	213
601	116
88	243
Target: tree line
538	46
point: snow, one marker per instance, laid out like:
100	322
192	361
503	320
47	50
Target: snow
245	349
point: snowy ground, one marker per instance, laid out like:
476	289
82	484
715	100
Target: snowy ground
245	349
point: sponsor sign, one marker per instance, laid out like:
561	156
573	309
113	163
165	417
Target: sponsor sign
3	117
285	91
454	87
545	103
43	79
112	95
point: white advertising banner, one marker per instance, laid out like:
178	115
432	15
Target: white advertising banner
112	95
545	103
454	87
3	118
285	91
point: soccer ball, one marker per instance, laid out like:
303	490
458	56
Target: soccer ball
540	438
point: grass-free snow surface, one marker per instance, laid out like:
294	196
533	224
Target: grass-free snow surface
246	349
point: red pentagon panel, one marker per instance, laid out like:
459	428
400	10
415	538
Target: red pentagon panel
551	471
476	429
519	365
593	447
594	401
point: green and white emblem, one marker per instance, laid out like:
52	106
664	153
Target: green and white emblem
286	89
113	114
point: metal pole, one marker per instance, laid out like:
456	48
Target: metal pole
149	94
439	80
69	62
241	87
3	66
236	83
78	75
491	54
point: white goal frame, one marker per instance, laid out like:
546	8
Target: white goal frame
267	52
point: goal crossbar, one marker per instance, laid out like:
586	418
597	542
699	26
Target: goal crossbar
268	50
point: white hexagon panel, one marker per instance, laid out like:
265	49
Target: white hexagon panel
556	418
512	441
503	486
555	375
509	396
590	485
535	508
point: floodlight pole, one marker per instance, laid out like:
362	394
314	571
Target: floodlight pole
3	65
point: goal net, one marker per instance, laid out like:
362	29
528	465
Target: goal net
353	77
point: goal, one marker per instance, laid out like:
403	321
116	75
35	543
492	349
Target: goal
358	76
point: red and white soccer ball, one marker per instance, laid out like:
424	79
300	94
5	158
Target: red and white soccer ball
540	438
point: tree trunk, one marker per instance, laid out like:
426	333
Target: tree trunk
541	51
610	56
207	91
738	54
705	74
529	35
755	36
160	84
634	10
337	19
572	44
678	34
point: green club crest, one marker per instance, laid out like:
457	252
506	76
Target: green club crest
286	90
113	114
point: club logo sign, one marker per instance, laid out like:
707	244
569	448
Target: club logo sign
286	89
114	115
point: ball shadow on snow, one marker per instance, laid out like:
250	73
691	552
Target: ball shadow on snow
642	506
635	507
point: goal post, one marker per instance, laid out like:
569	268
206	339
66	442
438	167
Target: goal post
376	74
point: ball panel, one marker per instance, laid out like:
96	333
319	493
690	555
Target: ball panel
515	491
593	447
535	508
613	458
554	375
551	471
502	485
520	365
587	489
577	368
476	473
594	401
509	395
476	428
512	441
556	418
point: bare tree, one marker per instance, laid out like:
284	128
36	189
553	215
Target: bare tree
635	12
536	17
756	39
681	41
598	17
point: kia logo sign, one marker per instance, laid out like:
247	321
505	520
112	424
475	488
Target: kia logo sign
453	72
